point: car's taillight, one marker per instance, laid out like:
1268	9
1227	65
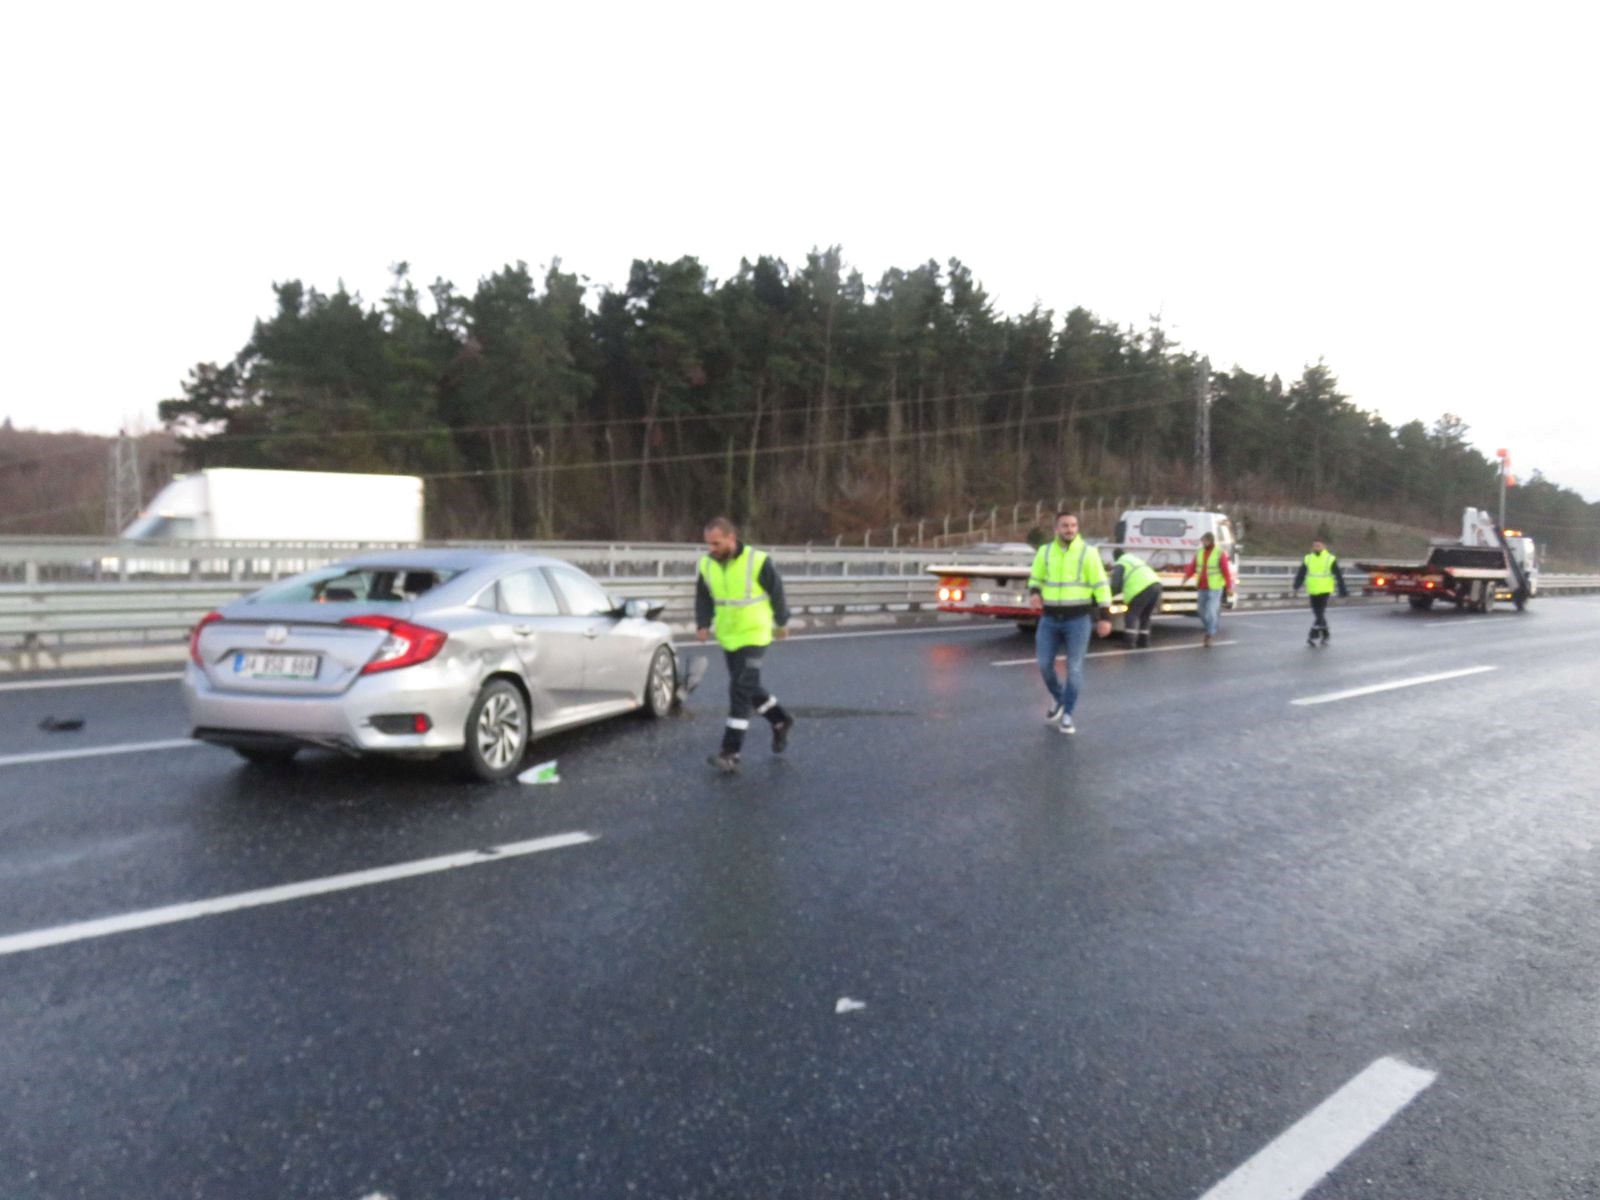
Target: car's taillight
406	646
194	637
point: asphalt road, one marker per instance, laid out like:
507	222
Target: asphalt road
1122	964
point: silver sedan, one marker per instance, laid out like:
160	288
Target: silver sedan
422	652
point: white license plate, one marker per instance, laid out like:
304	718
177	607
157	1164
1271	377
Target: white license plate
252	665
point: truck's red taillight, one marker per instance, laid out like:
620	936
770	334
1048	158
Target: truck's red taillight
406	646
194	636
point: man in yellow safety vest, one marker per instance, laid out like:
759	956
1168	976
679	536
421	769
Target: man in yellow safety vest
1140	588
739	594
1319	574
1069	590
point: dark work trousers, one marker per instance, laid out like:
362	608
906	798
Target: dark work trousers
1136	621
746	696
1319	615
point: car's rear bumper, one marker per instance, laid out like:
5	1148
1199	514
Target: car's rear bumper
342	722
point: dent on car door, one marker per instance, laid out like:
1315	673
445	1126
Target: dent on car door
612	670
550	644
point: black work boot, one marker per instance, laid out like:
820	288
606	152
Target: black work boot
780	733
726	761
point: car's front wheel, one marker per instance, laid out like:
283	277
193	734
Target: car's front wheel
661	683
497	732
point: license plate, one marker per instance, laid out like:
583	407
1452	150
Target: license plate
252	665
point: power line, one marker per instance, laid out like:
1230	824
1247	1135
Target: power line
659	418
800	447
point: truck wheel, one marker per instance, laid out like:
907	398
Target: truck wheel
1486	604
1420	603
496	733
1028	627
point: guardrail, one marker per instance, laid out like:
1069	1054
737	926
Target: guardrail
47	624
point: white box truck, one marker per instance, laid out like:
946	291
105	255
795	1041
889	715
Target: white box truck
236	504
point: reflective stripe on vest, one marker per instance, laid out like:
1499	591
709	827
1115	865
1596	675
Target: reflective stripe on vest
1209	575
743	608
1137	575
1070	575
1319	573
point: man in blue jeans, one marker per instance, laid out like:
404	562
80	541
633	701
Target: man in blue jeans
1069	590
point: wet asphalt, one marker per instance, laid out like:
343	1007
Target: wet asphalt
1111	965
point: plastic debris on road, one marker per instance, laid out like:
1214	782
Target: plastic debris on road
848	1005
543	773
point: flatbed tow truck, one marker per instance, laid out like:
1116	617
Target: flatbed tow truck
996	584
1486	566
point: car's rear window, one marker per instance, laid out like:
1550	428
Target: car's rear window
360	585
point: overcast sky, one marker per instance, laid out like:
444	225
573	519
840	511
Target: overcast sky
1404	190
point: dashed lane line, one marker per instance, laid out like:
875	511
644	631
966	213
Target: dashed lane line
38	939
1391	685
1303	1155
1018	662
17	760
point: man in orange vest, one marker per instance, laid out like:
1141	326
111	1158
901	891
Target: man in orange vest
1213	578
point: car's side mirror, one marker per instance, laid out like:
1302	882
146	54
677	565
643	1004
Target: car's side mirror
643	610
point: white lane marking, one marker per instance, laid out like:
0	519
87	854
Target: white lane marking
1018	662
1414	681
90	681
16	760
37	939
1302	1156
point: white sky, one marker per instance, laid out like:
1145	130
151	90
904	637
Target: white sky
1406	190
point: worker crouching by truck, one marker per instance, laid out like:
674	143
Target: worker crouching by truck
1069	590
1136	582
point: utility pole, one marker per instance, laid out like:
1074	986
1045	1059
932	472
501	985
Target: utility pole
123	493
1202	431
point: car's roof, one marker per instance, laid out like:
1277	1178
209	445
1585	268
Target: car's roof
447	559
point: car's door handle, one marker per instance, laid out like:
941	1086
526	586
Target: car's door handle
592	631
522	630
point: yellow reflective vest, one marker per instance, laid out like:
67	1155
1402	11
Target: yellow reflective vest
1137	575
743	609
1319	573
1069	574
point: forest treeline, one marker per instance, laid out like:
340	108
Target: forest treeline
801	400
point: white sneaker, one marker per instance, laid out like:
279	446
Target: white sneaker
1054	715
1066	725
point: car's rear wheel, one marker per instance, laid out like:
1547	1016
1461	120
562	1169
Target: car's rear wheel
267	756
497	732
661	683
